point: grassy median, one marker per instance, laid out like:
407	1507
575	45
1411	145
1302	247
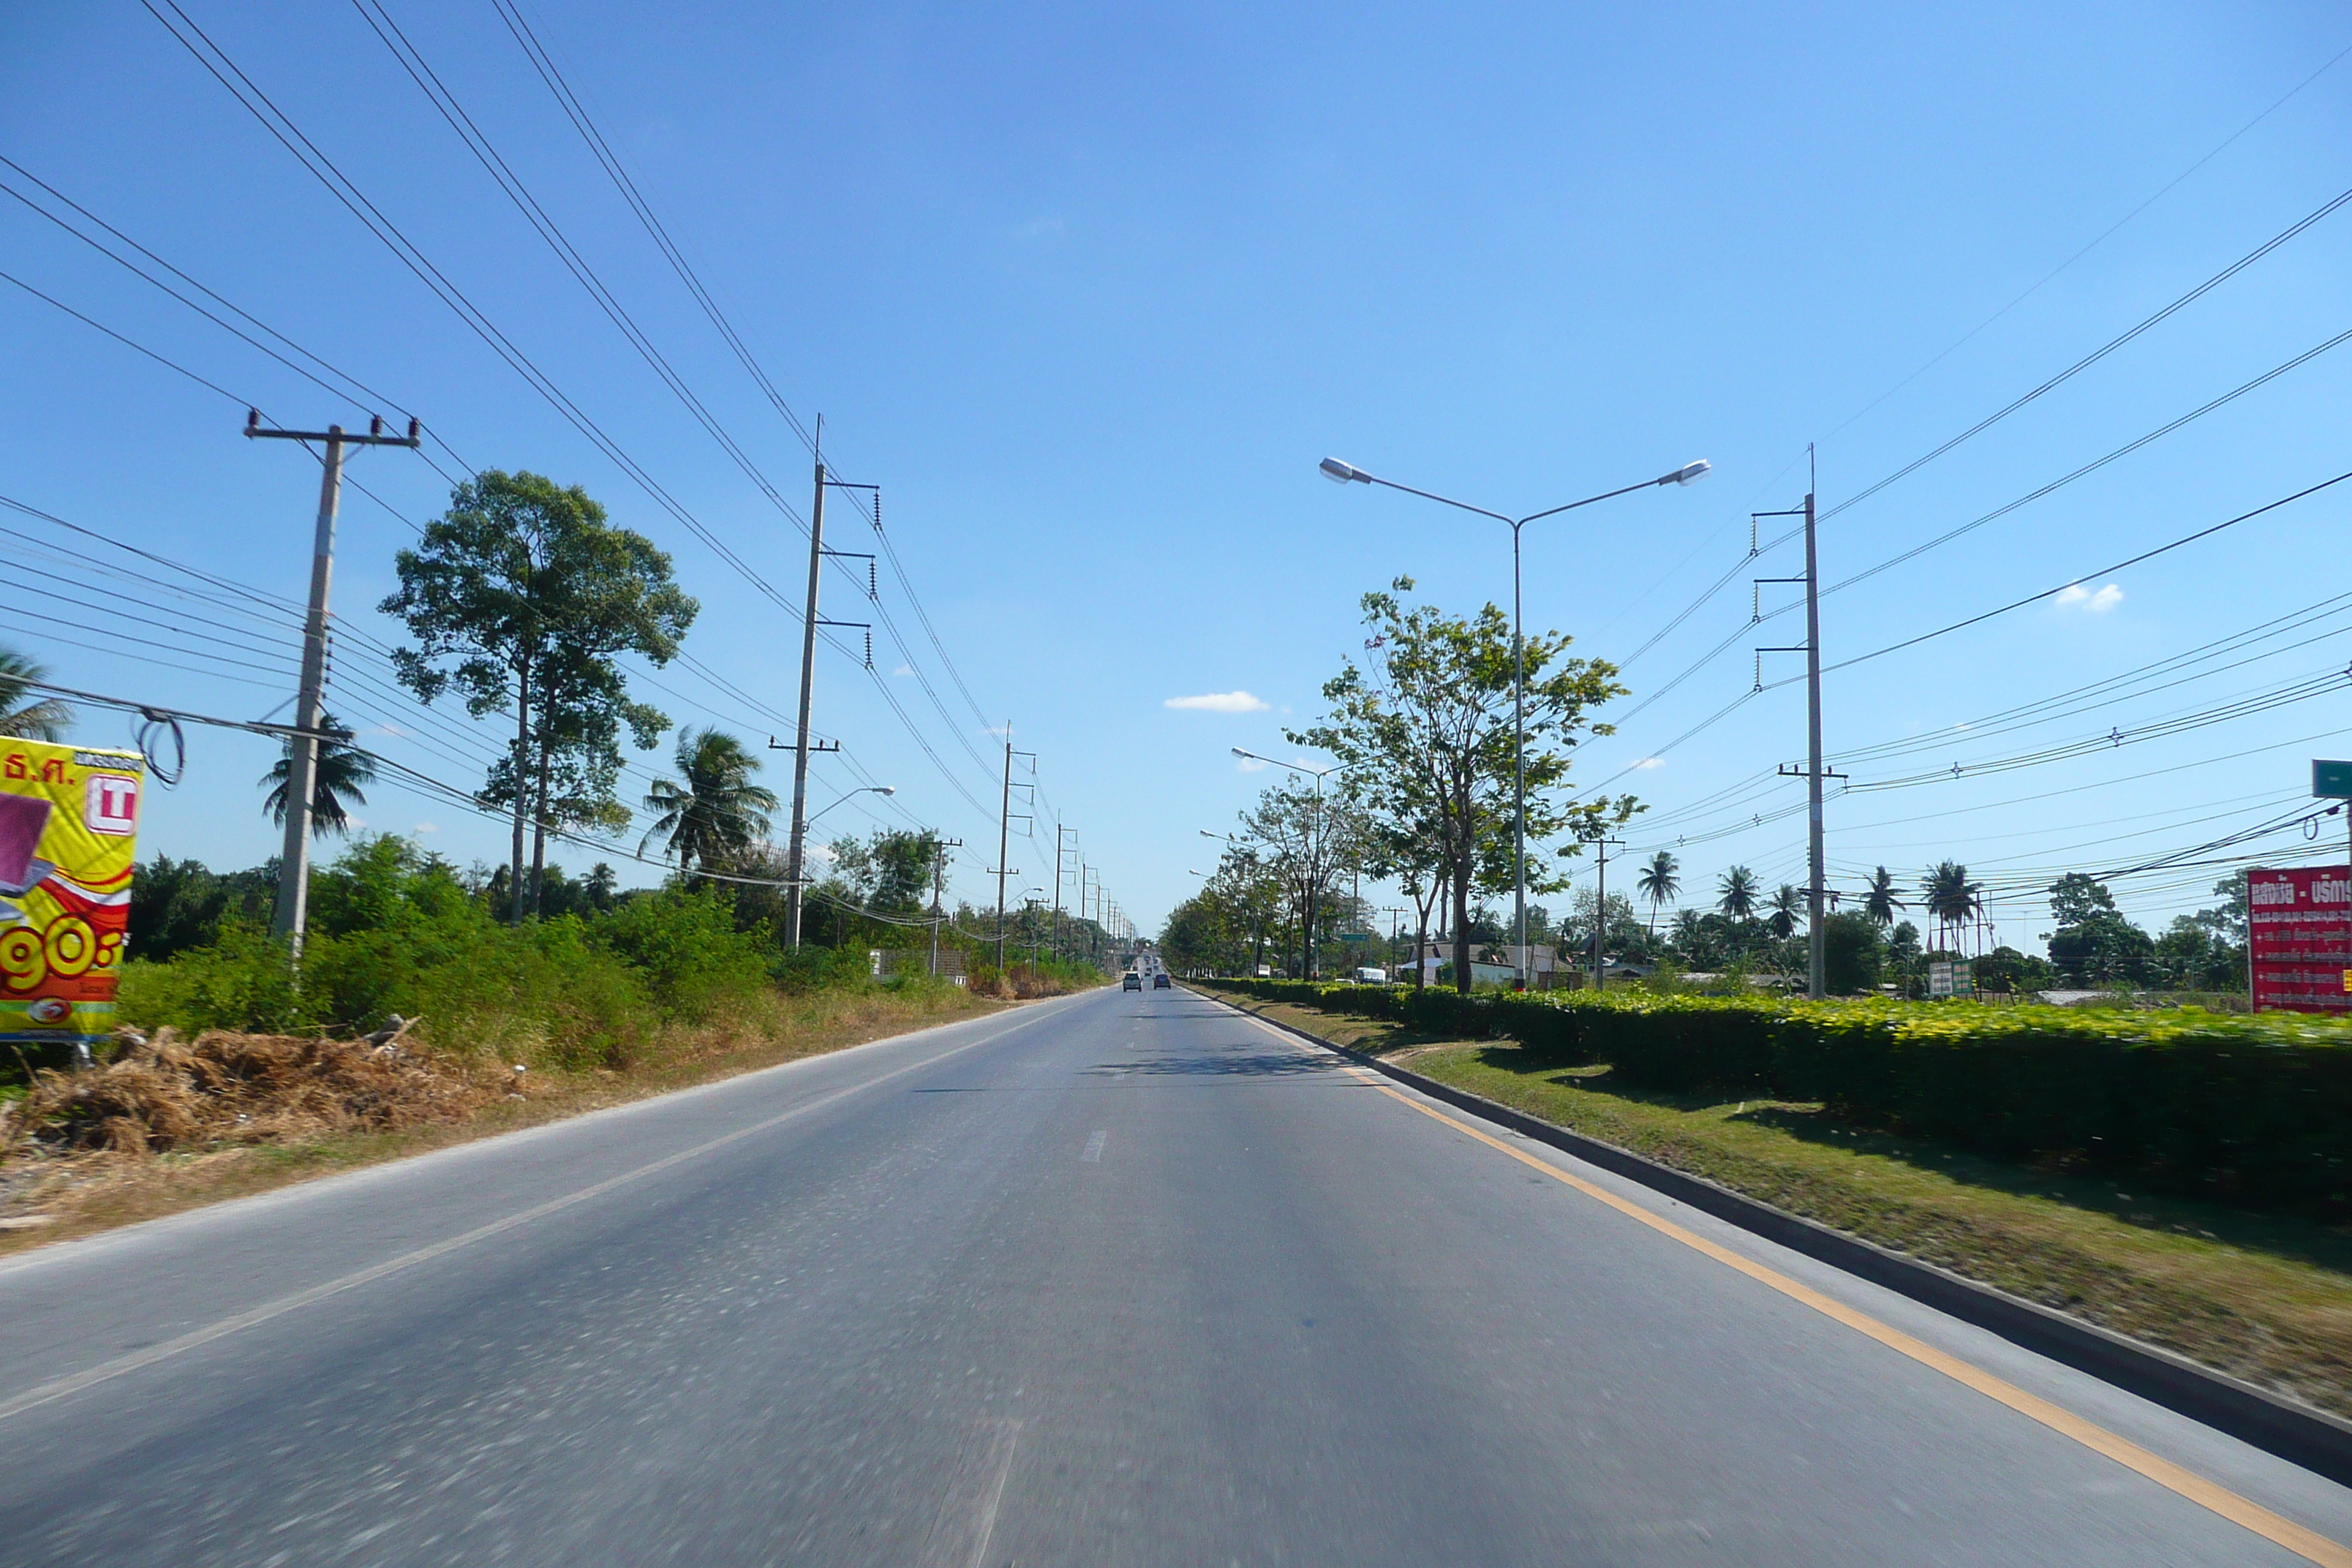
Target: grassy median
2264	1298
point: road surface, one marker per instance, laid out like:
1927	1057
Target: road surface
1112	1279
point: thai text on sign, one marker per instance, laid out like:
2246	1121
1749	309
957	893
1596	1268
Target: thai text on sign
2299	939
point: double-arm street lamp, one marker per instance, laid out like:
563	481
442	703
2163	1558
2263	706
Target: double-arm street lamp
1345	473
1314	831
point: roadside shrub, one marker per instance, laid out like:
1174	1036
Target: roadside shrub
2254	1109
685	943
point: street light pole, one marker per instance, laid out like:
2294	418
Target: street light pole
1346	473
1314	867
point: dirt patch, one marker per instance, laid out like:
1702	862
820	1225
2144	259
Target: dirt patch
167	1094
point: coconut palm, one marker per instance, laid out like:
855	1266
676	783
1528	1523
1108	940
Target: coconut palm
335	781
24	716
719	812
1950	897
1738	888
1658	883
1880	902
1788	905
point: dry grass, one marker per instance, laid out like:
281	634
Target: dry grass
2263	1297
171	1125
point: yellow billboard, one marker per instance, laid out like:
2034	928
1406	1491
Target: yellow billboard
69	827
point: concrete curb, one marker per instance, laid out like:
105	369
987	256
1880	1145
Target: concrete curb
2295	1432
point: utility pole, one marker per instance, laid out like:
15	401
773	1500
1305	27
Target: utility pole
1817	876
1601	914
810	620
1817	937
938	896
799	844
291	914
1059	831
1004	838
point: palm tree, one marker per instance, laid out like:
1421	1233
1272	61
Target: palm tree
1786	906
1739	898
1880	902
1951	898
23	715
1658	883
341	770
719	812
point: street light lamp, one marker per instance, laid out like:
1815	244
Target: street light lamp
1348	473
863	789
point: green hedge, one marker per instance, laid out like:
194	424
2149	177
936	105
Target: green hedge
2247	1110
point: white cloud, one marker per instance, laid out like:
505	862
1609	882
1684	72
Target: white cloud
2097	603
1221	703
393	729
904	669
426	827
1650	763
1249	765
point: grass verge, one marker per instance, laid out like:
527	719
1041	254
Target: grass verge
2263	1297
82	1193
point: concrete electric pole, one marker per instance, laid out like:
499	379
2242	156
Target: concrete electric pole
292	911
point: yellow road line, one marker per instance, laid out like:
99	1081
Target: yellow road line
2305	1543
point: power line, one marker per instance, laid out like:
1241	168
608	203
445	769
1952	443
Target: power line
2101	571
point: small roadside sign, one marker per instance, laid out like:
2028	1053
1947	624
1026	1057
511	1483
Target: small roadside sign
2331	781
1355	936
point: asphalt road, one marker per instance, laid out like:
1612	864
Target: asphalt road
1114	1279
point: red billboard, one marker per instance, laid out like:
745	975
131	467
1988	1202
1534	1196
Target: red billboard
2299	939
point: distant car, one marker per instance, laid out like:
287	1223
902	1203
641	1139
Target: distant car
1265	971
1131	980
1160	982
1371	975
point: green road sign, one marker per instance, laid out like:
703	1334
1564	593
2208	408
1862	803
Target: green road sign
2331	781
1367	936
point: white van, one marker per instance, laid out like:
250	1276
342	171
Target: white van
1369	975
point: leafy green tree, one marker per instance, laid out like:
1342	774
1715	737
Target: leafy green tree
1738	889
519	597
1305	840
1788	907
2095	943
1880	902
2076	898
1425	729
2006	969
342	772
1623	935
176	905
1853	953
1658	882
24	716
891	871
718	812
2227	921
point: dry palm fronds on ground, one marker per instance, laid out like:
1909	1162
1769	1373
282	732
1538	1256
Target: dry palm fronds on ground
167	1094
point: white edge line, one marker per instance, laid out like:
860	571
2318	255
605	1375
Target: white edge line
106	1371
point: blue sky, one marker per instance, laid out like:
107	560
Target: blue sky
1090	290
